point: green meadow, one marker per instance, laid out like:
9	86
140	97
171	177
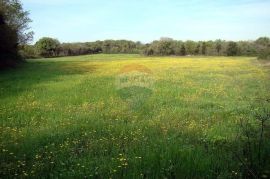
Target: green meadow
66	117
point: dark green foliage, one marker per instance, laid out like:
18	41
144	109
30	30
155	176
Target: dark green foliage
190	47
17	19
183	50
203	48
8	45
211	48
162	47
165	46
263	46
247	48
119	46
218	46
28	52
232	49
197	50
13	24
48	47
148	50
264	54
72	49
263	41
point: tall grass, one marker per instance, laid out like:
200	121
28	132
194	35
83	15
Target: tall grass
64	117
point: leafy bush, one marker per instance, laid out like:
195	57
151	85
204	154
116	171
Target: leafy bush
47	47
264	55
28	52
263	46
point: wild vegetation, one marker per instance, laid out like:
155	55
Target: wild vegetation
204	117
162	47
14	30
124	109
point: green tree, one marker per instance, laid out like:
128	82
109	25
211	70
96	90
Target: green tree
204	48
264	41
190	47
28	52
13	31
17	19
218	46
8	46
165	47
47	47
232	49
197	50
247	48
148	50
183	50
263	47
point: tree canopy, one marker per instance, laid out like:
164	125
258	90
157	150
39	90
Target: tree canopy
17	19
47	47
14	30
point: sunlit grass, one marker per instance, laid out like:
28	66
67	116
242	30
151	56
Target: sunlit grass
63	117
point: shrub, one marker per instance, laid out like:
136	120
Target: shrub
28	52
263	46
47	47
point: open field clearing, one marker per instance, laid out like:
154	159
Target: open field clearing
70	117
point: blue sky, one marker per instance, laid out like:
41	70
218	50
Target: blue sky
148	20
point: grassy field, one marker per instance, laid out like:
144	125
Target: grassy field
67	117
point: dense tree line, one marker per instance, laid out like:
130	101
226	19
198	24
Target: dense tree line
48	47
167	46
